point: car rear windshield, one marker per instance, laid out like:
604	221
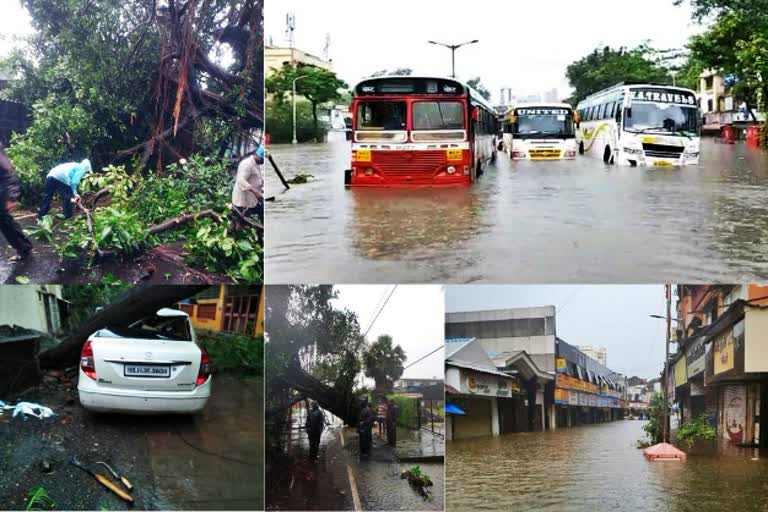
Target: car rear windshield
156	327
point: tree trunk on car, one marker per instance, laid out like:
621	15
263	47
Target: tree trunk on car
133	305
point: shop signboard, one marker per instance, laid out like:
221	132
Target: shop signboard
561	365
583	399
724	355
561	396
573	398
694	355
483	384
681	372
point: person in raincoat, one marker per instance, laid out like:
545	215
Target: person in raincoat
64	180
393	411
9	194
248	192
315	425
365	427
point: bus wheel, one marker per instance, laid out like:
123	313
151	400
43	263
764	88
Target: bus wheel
581	148
608	155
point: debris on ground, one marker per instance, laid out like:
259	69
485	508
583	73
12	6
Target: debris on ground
300	178
38	499
418	480
28	409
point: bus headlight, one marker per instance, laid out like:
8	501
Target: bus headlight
690	154
632	151
369	171
466	170
451	169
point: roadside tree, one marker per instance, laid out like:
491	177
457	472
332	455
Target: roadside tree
383	362
317	85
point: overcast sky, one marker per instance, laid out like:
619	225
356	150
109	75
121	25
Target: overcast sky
523	45
414	317
14	22
615	317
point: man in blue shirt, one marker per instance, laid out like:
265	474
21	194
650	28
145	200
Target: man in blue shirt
64	179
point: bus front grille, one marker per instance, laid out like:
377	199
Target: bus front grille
662	151
409	163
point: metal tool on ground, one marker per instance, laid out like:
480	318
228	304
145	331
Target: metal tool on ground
104	481
128	485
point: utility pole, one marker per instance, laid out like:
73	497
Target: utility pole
664	429
293	97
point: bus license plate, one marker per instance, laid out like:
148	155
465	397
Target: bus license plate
662	163
363	155
454	154
140	370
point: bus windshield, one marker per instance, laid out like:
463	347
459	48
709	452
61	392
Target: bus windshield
381	115
662	117
541	123
438	115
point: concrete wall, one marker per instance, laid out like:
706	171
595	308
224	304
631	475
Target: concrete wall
24	306
755	345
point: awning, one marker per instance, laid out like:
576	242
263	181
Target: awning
452	409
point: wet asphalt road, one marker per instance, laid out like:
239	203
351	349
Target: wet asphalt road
524	222
211	461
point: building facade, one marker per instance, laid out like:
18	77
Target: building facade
37	307
721	367
556	384
228	308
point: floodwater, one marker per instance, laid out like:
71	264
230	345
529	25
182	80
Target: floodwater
523	222
597	467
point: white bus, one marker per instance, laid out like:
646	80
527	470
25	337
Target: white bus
640	124
540	131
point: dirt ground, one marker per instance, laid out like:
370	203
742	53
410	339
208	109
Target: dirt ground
160	265
210	461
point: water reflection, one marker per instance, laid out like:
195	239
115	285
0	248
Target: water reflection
535	222
596	467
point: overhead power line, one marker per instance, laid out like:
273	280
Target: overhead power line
441	347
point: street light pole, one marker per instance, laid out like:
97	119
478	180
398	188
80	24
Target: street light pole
293	96
664	432
453	48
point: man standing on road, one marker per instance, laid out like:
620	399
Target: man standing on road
381	415
315	424
63	180
365	428
393	411
248	192
9	193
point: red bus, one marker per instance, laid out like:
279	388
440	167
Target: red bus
419	131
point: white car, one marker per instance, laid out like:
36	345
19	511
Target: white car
151	366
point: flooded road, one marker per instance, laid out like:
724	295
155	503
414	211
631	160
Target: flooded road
596	467
524	222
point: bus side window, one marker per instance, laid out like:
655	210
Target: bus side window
609	110
601	112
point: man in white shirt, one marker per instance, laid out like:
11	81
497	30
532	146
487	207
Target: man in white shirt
248	192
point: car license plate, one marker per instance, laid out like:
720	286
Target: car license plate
144	370
454	154
662	163
363	155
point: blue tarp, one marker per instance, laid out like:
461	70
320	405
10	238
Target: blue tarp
452	409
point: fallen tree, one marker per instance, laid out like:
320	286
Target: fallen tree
135	304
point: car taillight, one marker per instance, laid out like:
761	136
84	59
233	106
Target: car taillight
205	368
86	360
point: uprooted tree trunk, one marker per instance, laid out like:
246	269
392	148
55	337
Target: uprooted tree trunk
192	87
133	305
338	402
